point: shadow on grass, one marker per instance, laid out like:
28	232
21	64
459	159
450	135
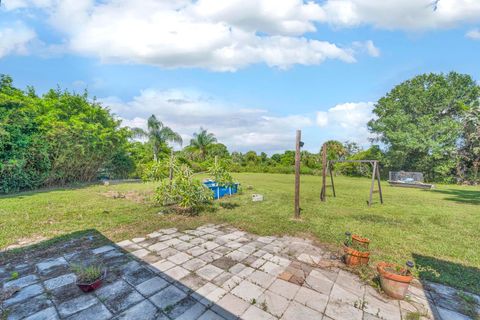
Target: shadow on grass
461	196
452	274
132	289
28	193
72	186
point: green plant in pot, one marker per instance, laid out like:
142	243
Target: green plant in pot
89	278
356	252
395	279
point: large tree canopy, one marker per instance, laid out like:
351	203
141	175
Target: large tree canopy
427	124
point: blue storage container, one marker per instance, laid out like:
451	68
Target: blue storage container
219	192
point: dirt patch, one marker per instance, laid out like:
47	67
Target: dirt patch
129	195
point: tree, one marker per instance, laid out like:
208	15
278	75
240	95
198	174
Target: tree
351	148
218	150
158	135
422	122
335	150
56	139
201	141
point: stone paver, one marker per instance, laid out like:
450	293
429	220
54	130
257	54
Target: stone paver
151	286
119	296
145	310
77	304
247	291
212	272
209	272
168	297
60	281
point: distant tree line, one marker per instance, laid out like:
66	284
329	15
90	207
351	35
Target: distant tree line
430	123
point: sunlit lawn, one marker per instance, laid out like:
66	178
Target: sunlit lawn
437	228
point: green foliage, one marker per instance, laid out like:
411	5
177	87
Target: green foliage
56	139
335	150
219	173
87	274
201	142
14	275
154	171
184	191
360	169
430	124
158	135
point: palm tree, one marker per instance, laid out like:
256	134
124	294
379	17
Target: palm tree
201	141
157	134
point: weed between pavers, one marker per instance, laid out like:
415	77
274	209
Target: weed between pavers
264	306
168	308
360	304
415	315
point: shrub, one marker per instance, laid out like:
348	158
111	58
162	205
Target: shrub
183	191
220	175
154	171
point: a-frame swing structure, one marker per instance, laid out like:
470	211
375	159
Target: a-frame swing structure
327	166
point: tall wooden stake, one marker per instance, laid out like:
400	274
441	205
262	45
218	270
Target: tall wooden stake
379	185
323	195
374	174
297	174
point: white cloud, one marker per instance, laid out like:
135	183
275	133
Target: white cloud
367	47
347	121
473	34
239	128
401	14
217	35
15	39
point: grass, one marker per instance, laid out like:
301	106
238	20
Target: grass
435	228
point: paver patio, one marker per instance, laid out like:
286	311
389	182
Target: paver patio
212	272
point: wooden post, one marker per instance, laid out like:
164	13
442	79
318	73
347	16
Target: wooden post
379	185
374	173
323	195
297	174
330	171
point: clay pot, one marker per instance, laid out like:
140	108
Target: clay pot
394	284
363	242
88	287
354	257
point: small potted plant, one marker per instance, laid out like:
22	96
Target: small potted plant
356	253
89	278
395	279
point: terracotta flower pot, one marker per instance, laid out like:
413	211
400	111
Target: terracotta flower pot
88	287
363	242
394	284
354	257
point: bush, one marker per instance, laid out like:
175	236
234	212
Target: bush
220	175
188	194
154	171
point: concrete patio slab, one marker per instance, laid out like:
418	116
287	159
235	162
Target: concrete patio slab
212	272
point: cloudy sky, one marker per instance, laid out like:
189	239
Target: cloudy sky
251	71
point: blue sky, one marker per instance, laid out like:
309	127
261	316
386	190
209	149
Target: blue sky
250	71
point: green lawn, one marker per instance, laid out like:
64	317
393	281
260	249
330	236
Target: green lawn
437	228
